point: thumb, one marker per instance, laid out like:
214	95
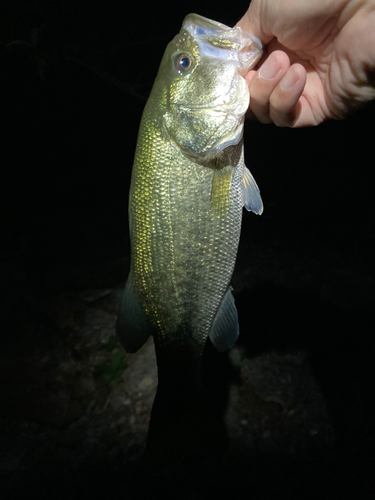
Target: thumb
251	22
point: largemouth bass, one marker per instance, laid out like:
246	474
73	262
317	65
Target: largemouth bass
189	184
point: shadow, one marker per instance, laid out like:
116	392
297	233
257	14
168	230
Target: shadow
340	348
187	419
340	345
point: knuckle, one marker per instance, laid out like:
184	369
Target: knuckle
284	119
277	104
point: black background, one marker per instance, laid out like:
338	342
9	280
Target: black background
74	80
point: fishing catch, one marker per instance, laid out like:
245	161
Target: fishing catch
189	184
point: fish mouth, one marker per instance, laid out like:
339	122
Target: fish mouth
216	40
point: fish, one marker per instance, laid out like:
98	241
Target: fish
188	188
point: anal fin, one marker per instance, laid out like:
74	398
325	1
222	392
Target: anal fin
225	329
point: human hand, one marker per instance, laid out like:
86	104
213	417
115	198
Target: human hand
319	60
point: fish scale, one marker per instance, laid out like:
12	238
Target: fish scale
180	246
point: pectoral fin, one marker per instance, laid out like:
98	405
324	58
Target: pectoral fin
220	190
224	330
133	327
250	193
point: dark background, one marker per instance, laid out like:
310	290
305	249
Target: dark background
74	78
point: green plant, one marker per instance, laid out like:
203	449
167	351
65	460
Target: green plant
112	370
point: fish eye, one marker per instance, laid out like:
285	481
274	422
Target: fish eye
183	62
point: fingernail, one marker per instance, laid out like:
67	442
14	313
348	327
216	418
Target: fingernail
289	80
270	68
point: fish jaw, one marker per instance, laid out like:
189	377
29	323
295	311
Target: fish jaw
203	131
